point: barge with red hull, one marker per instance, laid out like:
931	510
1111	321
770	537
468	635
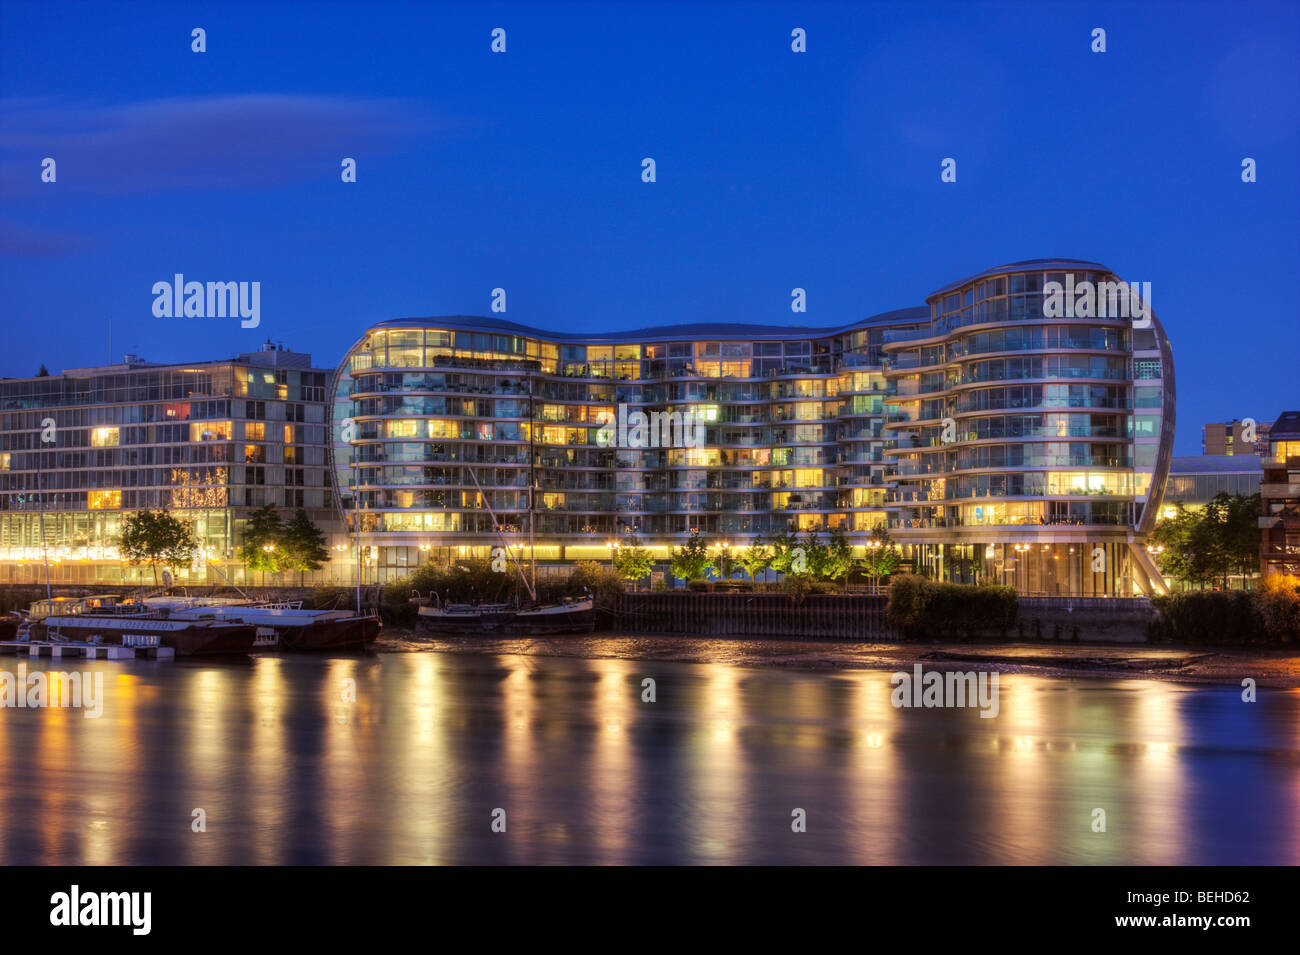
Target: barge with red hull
288	627
102	621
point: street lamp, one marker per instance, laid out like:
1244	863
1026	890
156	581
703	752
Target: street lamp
874	547
1023	551
343	576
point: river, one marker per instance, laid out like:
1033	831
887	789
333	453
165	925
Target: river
419	757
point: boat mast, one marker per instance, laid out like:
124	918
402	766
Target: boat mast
496	525
532	490
356	520
40	494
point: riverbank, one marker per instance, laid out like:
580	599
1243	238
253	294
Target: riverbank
1198	665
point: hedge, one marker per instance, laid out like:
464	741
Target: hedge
928	609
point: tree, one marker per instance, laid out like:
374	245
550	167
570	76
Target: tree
262	533
754	558
839	556
1173	539
155	537
632	561
1233	521
1216	542
816	556
786	553
301	545
691	561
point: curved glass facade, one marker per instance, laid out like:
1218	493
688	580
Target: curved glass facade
1032	442
742	430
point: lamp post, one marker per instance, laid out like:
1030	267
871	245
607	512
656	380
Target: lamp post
1022	550
340	549
873	547
268	549
1155	550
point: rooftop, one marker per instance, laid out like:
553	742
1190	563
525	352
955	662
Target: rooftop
699	331
1216	464
1286	427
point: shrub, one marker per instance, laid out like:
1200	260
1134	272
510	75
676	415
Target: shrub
797	587
1269	615
928	609
698	585
1278	603
734	586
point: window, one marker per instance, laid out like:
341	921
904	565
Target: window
104	437
104	500
210	431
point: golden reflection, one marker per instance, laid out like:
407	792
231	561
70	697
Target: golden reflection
875	797
344	796
417	764
271	800
611	771
1021	788
110	745
522	745
716	777
208	727
61	818
1154	780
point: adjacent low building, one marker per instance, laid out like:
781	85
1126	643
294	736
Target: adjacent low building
210	441
1195	480
1279	551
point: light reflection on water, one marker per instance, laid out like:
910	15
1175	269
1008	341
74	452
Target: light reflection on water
289	771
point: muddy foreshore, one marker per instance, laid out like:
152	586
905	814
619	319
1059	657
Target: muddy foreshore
1200	665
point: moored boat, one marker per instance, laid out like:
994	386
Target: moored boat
576	616
291	628
100	620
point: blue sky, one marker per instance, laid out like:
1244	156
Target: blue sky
523	170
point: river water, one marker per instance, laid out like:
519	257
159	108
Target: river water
290	764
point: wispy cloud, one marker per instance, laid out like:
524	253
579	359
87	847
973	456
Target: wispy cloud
229	142
18	239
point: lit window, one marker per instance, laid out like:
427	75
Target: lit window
210	431
104	500
104	437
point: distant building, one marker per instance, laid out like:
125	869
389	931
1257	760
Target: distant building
1279	550
1195	481
210	441
1229	438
